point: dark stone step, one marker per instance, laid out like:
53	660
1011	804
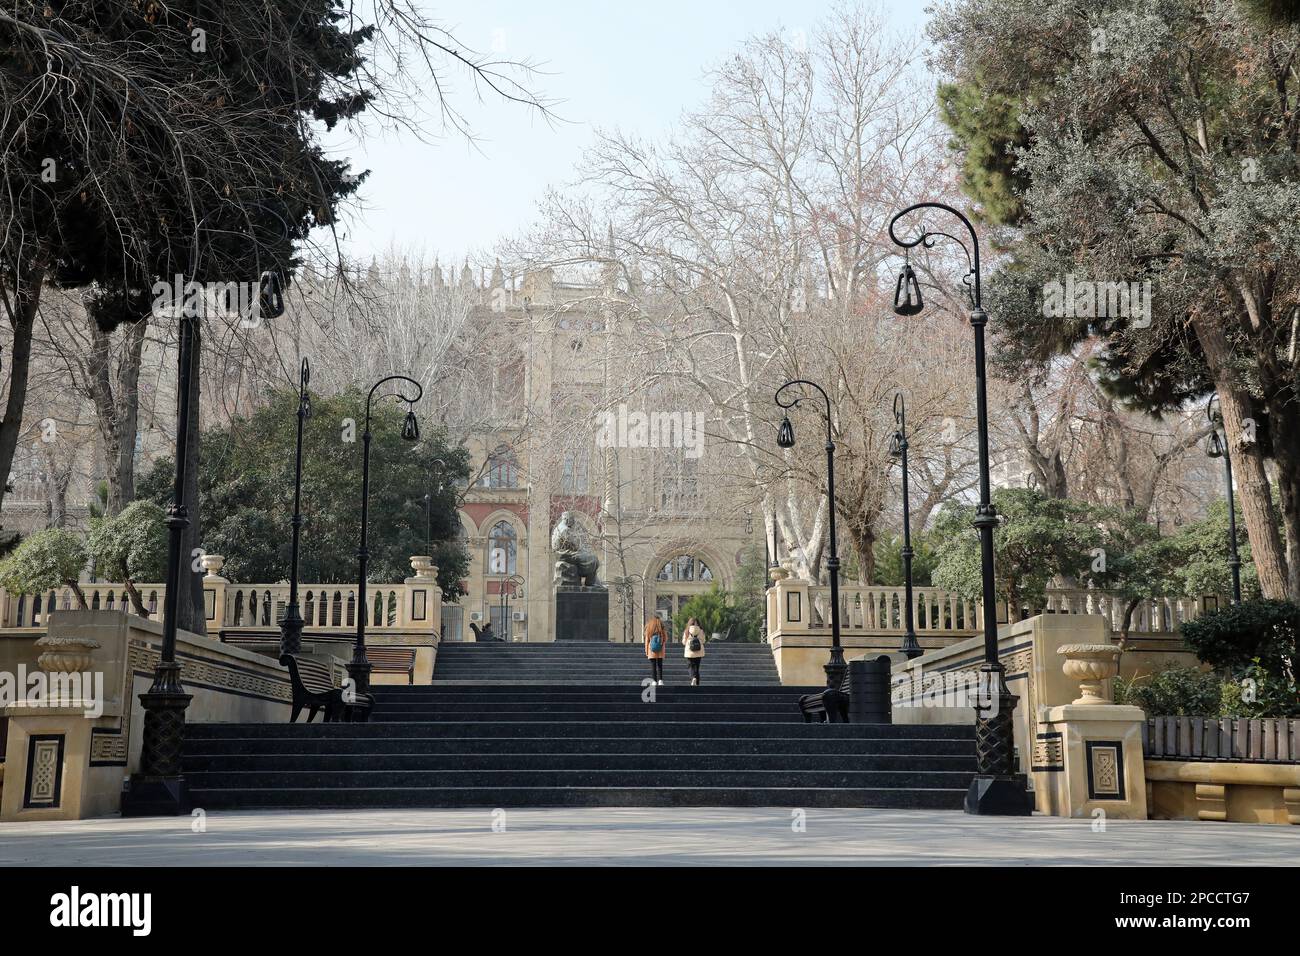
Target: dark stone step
490	798
549	761
757	779
470	710
578	745
659	714
529	692
582	729
579	698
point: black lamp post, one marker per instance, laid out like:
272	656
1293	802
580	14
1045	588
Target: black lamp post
291	626
1217	448
509	588
997	788
359	667
159	789
898	452
836	667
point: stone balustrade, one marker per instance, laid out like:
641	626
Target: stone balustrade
872	621
415	605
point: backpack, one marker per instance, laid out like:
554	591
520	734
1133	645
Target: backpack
695	644
656	643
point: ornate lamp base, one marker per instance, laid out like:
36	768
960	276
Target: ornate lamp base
836	669
159	788
999	797
911	648
363	701
291	631
997	790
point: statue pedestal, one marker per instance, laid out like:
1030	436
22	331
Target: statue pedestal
581	614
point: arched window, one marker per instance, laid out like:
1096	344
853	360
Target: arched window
501	548
502	469
686	568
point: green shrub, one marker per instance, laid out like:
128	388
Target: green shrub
1255	693
709	608
1255	640
46	560
1180	692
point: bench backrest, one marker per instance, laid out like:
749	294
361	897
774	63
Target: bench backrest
315	674
398	659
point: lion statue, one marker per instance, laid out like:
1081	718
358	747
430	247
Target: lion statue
575	563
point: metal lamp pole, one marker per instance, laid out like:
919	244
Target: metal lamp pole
159	788
898	450
1219	449
359	666
291	626
997	788
836	667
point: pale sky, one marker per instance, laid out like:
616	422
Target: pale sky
635	66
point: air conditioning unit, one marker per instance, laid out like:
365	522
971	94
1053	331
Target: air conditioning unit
475	616
519	616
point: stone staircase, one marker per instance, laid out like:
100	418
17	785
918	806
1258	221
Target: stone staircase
590	662
566	725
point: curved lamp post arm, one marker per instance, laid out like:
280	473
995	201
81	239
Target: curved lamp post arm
927	237
419	393
794	402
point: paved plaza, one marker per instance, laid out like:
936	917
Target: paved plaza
587	836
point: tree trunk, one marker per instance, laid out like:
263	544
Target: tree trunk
1283	424
1253	489
189	602
81	595
117	407
23	318
864	541
137	601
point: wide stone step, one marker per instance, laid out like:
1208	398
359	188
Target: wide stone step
579	745
631	705
264	762
514	728
525	692
579	695
488	798
756	779
659	715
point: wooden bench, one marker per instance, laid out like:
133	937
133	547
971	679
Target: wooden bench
830	706
267	640
313	688
392	660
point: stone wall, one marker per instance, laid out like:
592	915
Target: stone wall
66	757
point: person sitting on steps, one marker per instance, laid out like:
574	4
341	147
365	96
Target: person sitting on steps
656	645
693	646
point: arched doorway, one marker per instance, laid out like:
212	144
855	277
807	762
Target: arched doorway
676	580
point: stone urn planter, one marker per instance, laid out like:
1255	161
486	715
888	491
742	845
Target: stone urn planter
1091	665
65	655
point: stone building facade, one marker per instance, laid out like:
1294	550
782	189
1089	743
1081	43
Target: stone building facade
561	441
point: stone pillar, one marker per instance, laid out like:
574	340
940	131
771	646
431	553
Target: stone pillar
214	592
423	612
52	771
1088	753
